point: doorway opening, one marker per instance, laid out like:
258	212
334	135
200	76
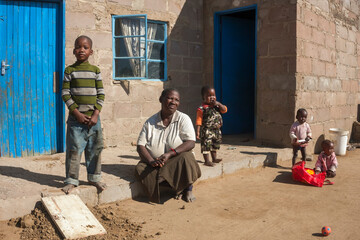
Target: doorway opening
235	67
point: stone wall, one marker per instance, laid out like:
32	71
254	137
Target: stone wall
276	58
129	103
327	72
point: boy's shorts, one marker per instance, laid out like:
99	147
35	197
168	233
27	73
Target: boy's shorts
210	140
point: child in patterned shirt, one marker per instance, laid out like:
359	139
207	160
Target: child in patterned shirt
208	124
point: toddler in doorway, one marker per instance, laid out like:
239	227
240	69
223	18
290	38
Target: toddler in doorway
327	161
300	134
208	124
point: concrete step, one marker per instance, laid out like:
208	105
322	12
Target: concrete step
23	181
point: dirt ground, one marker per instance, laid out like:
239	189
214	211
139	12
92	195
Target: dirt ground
261	203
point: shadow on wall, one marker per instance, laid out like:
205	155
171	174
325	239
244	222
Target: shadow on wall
185	56
317	146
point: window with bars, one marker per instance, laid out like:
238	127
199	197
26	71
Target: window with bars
139	48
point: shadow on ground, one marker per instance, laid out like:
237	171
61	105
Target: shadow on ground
40	178
286	177
123	171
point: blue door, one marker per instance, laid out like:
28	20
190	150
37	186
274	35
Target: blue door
31	117
235	70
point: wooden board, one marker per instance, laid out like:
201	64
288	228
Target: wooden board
72	217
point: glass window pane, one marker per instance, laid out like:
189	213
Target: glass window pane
129	26
129	47
156	51
128	68
156	31
156	70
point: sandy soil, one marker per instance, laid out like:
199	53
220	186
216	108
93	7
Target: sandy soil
262	203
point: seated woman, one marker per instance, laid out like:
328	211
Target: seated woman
164	147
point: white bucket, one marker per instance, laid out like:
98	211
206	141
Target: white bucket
340	139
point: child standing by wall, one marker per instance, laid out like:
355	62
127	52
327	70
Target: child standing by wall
300	134
327	161
83	94
208	124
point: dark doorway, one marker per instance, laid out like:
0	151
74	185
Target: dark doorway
235	67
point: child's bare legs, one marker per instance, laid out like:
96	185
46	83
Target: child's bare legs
303	153
207	160
295	154
214	159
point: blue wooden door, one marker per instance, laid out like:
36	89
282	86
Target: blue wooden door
29	98
237	73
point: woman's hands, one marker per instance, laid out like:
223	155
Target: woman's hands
160	161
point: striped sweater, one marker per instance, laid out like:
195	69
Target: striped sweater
83	88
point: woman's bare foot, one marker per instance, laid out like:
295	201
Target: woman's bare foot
189	196
179	196
217	160
208	163
68	188
99	185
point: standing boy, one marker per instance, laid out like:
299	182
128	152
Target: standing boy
83	94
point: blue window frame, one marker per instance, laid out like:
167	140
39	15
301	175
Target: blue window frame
139	48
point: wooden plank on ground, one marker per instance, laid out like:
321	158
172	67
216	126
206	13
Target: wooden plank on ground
72	217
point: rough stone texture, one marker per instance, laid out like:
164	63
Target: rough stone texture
307	56
129	103
332	82
276	58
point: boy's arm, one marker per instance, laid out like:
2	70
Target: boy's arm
66	93
100	93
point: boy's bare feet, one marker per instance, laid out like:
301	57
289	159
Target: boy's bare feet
68	188
208	163
217	160
99	185
189	196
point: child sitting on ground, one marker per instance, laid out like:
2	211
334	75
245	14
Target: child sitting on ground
208	124
300	134
327	161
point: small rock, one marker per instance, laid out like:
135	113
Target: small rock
158	233
183	207
27	222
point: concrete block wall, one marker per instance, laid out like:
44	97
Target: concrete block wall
129	103
276	63
327	66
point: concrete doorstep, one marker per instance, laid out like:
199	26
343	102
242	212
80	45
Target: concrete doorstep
24	181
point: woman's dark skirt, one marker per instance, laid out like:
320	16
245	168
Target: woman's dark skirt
179	172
